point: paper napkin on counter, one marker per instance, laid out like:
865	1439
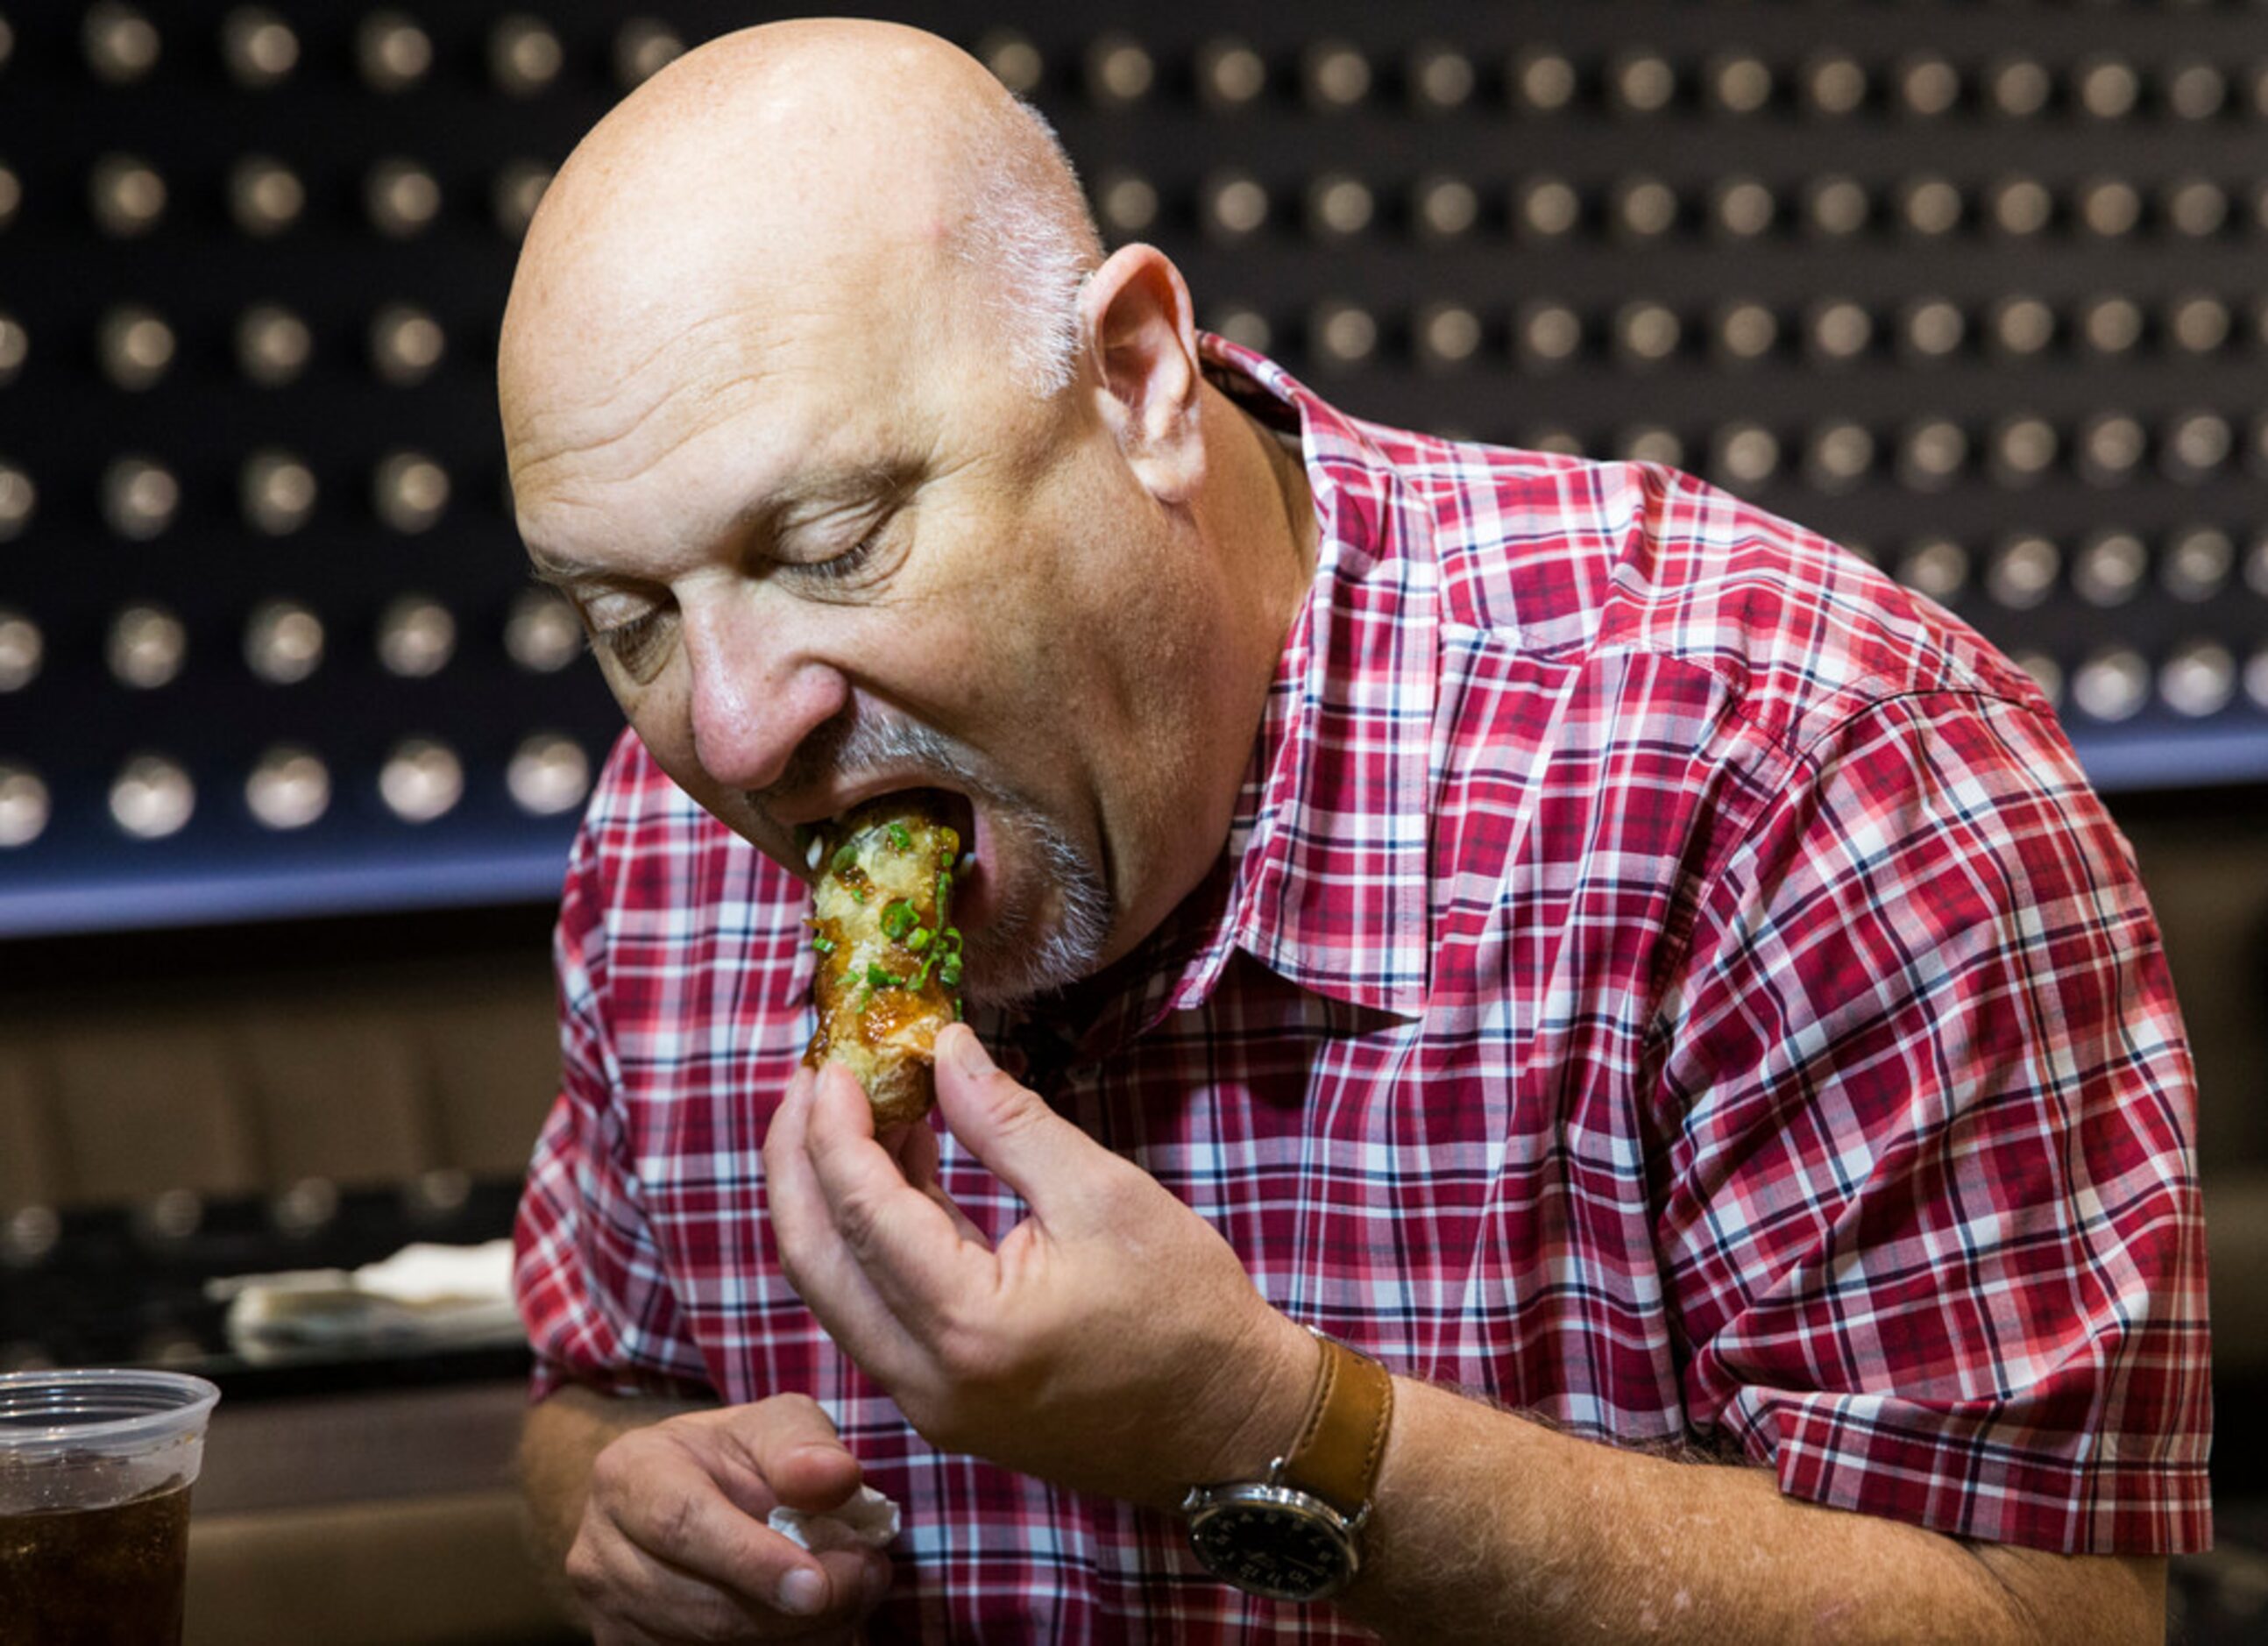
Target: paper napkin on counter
423	1294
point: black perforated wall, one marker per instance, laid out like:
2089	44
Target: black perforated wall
1974	288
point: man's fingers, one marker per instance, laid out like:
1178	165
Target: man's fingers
914	1148
667	1606
674	1544
1034	1150
826	1275
906	1244
650	1598
792	1449
681	1528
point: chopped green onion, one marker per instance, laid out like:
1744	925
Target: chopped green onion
956	1008
943	895
899	918
949	973
950	938
857	894
846	856
877	977
824	944
920	973
900	839
919	939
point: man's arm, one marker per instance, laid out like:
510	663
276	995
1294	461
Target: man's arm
652	1511
1113	1342
1489	1527
559	1439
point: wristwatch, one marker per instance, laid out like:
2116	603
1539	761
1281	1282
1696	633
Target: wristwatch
1296	1535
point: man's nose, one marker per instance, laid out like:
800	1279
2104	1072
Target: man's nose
756	693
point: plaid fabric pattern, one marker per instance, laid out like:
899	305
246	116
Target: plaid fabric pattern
1663	976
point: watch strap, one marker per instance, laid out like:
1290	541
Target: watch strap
1337	1454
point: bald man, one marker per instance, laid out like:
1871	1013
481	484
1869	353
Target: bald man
1472	955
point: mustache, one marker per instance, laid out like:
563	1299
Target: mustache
1050	931
858	742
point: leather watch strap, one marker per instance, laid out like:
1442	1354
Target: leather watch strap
1337	1454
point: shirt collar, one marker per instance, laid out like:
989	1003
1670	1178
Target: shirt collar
1323	877
1326	858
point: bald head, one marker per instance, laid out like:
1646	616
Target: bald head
784	167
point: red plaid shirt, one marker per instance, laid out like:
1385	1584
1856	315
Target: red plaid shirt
1662	976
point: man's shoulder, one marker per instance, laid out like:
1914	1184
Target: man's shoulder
1570	563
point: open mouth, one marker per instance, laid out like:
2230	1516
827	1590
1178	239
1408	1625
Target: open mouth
928	806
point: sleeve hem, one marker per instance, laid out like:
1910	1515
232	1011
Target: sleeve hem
1833	1452
548	1377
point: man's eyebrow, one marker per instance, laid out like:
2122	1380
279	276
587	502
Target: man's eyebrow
557	576
797	503
840	486
765	516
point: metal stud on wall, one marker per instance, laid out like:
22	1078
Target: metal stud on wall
1975	290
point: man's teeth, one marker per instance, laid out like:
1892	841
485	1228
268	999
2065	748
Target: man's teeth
813	853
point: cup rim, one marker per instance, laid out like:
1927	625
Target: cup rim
34	1441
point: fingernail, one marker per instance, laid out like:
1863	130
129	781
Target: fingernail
968	1055
802	1592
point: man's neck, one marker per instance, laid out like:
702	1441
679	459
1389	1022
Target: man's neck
1288	463
1277	505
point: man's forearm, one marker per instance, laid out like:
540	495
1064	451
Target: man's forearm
559	1439
1491	1527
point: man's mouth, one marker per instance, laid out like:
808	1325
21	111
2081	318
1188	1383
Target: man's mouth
814	840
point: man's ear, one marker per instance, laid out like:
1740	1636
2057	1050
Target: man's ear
1135	323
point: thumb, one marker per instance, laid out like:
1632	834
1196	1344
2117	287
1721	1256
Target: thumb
795	1451
1006	1126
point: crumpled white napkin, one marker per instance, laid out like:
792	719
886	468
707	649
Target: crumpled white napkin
868	1521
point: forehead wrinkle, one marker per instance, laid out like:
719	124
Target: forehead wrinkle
705	394
584	460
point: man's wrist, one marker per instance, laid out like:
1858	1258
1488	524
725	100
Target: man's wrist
1293	1531
1262	1393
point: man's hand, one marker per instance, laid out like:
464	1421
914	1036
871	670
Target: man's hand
1111	1342
672	1544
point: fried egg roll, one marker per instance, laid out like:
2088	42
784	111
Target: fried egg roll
888	977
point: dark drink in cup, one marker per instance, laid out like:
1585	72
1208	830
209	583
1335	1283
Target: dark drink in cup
89	1576
95	1472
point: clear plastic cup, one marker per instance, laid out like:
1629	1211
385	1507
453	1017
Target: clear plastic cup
95	1473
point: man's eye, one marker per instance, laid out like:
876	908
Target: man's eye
639	645
841	567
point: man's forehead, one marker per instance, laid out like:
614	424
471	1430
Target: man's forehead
640	301
602	388
617	352
769	201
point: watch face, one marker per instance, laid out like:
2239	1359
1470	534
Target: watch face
1274	1541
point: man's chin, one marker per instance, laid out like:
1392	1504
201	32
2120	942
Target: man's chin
1036	944
1003	971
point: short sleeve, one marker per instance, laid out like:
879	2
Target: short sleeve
1930	1217
590	1280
